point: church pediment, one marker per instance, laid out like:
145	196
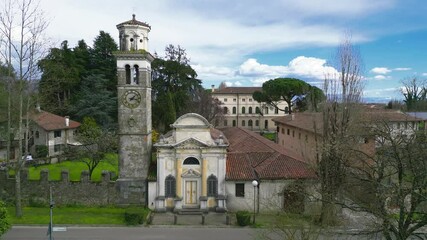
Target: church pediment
191	173
190	143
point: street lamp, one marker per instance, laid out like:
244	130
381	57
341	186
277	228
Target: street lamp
255	184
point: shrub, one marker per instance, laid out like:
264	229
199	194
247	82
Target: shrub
42	151
243	218
134	218
38	202
4	220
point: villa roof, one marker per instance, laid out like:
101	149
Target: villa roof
49	121
251	156
235	90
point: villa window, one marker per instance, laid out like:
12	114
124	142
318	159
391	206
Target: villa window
243	110
170	186
212	186
243	123
225	111
234	110
240	190
250	123
256	123
250	110
57	133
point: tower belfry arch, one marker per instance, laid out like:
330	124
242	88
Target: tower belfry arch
134	110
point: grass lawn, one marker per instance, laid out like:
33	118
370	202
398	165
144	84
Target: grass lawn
75	215
75	168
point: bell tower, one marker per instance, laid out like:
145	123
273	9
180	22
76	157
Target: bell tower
134	110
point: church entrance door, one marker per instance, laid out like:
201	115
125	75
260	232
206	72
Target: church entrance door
190	192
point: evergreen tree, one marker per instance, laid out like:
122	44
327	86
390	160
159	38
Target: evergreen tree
60	79
102	59
96	101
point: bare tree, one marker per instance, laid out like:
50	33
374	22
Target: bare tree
22	24
343	94
414	91
391	184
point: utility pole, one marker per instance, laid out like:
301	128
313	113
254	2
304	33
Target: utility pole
50	230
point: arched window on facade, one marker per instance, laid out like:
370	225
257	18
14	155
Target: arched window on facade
243	123
136	74
234	123
243	110
191	161
266	124
250	123
234	110
276	110
212	186
257	111
170	186
127	72
256	123
286	110
250	110
266	110
225	110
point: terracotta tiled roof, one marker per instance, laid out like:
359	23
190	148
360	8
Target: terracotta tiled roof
252	156
307	121
390	116
49	121
235	90
304	121
133	21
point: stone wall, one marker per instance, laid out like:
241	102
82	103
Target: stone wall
65	192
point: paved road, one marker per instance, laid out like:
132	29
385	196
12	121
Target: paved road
131	233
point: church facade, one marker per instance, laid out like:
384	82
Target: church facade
197	166
191	167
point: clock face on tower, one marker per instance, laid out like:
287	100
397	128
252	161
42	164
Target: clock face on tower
131	99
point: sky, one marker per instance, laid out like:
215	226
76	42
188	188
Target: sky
247	42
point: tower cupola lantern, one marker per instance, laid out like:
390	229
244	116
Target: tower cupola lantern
133	35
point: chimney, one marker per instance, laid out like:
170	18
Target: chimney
67	121
213	88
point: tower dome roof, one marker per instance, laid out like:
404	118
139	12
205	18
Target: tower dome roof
133	21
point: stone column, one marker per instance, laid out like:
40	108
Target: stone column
178	178
204	176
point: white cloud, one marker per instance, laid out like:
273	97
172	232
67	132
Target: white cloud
380	77
252	68
304	67
380	70
402	69
218	33
424	74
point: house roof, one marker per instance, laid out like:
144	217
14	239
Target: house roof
304	121
251	156
307	121
49	121
133	21
235	90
